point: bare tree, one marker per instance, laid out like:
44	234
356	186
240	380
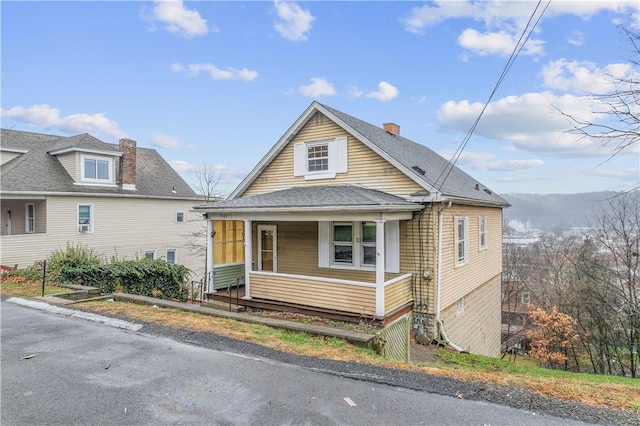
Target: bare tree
620	107
207	185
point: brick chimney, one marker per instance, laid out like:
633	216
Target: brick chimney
392	128
128	164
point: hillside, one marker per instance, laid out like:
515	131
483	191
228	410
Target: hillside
555	211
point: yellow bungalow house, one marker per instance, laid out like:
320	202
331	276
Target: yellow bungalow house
342	217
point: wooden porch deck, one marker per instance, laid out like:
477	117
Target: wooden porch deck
234	296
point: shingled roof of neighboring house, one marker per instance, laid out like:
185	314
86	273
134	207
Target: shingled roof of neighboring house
38	171
417	161
339	197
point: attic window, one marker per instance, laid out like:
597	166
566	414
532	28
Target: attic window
320	159
97	169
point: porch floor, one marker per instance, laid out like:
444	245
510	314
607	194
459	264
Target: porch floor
234	296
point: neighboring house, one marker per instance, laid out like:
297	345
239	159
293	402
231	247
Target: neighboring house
119	200
517	299
341	216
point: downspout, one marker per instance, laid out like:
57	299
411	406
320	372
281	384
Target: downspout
441	334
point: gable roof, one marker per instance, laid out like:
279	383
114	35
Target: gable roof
38	171
416	161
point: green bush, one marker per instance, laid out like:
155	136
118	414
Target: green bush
144	276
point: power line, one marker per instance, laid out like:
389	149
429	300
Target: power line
514	54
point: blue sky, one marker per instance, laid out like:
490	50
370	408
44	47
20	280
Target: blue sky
219	82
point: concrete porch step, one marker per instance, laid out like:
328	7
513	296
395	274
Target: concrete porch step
215	304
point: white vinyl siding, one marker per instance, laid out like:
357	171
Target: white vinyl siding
349	245
29	218
320	159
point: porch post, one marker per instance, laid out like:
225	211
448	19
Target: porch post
248	260
380	267
209	269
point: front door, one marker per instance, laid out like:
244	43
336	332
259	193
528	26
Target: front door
267	248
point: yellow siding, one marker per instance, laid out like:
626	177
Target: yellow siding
477	329
124	228
298	253
342	297
482	265
397	295
365	167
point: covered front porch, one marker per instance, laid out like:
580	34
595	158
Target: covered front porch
327	258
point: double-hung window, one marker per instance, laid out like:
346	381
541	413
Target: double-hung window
320	159
97	169
171	255
150	254
482	224
30	218
179	217
461	241
85	218
353	245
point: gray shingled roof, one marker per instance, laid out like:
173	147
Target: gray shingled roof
39	171
336	196
416	158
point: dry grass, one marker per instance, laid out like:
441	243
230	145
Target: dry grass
22	287
593	390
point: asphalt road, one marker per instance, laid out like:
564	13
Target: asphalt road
63	370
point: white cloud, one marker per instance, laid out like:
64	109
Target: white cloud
182	166
531	122
504	14
294	23
318	87
487	162
193	70
582	77
504	21
498	43
177	18
576	38
165	141
45	116
385	92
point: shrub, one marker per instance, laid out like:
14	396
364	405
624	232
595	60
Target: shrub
144	276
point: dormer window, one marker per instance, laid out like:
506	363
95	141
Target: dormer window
97	169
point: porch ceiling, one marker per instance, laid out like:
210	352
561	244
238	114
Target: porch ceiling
314	203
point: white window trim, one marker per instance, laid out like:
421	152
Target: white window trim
460	306
392	247
26	218
337	151
153	253
482	232
183	217
465	241
109	161
90	226
175	255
